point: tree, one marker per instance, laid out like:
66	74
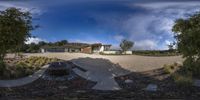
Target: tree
126	45
33	48
42	43
61	43
187	34
15	27
171	46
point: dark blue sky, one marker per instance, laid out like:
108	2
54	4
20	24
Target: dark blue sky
146	22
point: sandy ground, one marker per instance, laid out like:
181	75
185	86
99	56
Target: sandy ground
129	62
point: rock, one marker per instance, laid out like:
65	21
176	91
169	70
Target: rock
128	81
80	91
62	87
196	83
152	87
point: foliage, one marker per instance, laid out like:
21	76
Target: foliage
171	46
156	53
182	80
187	33
36	61
35	48
61	43
192	66
2	67
169	69
15	27
126	45
25	67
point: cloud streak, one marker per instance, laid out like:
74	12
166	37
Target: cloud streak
151	30
147	22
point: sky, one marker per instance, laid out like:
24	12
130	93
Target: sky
146	22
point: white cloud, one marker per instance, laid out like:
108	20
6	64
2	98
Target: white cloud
119	37
34	40
161	5
35	10
153	30
85	41
145	45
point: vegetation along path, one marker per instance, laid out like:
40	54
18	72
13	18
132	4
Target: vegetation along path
25	80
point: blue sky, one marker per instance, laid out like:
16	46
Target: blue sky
146	22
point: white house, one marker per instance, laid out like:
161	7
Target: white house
77	47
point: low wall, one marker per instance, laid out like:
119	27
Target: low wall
117	52
110	52
128	52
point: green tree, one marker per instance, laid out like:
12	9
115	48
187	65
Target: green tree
42	43
126	45
33	48
187	34
171	47
15	27
61	43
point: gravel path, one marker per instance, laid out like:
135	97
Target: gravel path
129	62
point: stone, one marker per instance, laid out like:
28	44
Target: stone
62	87
128	81
151	87
80	91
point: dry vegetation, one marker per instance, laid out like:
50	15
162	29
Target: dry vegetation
24	67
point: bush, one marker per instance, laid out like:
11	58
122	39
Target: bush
183	80
192	66
2	67
188	42
169	69
156	53
24	67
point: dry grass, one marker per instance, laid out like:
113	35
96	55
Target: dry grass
129	62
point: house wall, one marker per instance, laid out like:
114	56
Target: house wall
60	50
101	49
96	49
86	50
111	52
128	52
74	50
42	50
54	50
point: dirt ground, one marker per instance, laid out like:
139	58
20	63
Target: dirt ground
129	62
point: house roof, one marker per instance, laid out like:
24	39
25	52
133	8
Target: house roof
73	45
64	46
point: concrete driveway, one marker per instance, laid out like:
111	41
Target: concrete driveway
101	71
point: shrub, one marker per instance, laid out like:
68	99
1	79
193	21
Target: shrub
2	67
188	42
183	80
24	67
192	66
169	69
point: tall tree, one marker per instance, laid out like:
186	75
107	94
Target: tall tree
187	33
61	43
15	27
126	45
